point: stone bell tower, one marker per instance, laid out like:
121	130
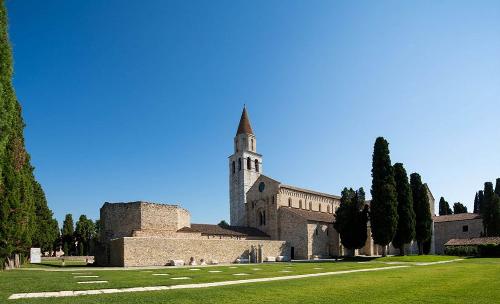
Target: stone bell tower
245	166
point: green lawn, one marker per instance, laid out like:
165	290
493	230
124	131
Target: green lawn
467	281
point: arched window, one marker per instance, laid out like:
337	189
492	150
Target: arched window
289	202
234	167
327	230
253	149
236	145
310	206
239	164
328	208
257	165
262	218
316	231
319	207
249	163
300	204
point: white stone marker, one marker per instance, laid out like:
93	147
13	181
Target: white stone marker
35	255
181	278
92	282
240	274
161	274
86	276
214	271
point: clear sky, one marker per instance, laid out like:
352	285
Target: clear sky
140	100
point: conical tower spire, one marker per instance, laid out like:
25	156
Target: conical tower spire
244	127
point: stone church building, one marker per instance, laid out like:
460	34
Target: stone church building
268	220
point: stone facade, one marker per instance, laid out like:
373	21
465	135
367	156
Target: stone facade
456	226
141	219
146	251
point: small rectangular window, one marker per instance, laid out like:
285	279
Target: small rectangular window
465	228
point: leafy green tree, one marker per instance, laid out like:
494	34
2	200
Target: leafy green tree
405	232
444	207
84	234
423	219
47	230
67	235
351	219
383	207
459	208
223	223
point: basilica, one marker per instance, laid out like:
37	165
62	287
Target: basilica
269	221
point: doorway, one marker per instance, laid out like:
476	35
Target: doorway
292	253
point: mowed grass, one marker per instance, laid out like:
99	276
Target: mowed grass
468	281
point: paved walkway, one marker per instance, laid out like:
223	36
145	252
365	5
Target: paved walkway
70	293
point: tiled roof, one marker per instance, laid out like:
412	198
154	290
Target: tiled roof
456	217
473	241
310	191
244	127
311	215
210	229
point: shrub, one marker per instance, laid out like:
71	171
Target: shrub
489	250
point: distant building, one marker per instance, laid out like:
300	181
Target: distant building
456	226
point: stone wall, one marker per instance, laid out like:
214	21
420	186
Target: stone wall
119	220
445	231
147	251
142	219
293	228
322	240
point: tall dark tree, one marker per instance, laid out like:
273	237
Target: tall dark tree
495	216
383	207
485	208
444	207
476	203
423	219
480	200
459	208
490	210
17	203
497	187
405	232
67	235
351	219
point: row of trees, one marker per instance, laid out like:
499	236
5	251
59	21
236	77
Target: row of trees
444	207
399	211
25	219
79	239
487	203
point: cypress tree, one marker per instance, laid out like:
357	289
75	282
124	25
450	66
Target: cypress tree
480	200
17	203
495	216
476	203
423	220
383	208
351	218
405	232
67	235
497	187
485	209
459	208
444	207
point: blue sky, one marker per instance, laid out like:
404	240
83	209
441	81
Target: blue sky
140	100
